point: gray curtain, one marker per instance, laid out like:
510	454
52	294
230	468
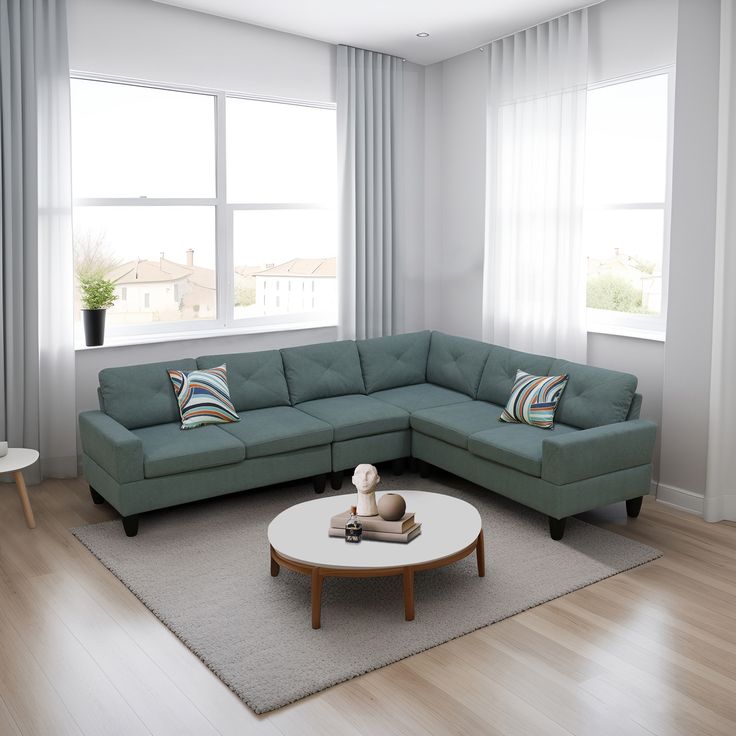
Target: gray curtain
369	123
37	400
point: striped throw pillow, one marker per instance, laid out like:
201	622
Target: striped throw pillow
203	396
534	400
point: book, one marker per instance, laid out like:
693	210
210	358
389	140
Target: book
375	523
400	537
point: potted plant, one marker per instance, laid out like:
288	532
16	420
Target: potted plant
98	295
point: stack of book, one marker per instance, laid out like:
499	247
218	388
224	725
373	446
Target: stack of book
378	529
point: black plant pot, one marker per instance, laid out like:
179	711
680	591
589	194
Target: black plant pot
94	326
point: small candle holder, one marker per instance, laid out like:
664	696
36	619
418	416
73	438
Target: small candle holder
353	527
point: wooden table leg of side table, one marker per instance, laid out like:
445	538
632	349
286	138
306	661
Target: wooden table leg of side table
316	598
23	493
274	566
480	553
408	594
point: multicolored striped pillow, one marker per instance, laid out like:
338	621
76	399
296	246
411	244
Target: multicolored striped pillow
203	396
534	400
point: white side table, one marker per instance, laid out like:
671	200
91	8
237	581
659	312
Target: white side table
14	462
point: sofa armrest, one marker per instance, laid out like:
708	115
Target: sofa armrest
113	447
591	452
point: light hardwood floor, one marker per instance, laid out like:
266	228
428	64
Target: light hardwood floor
650	651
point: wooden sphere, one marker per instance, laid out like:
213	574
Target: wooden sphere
391	506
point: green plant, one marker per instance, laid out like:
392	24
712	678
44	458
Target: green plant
92	256
614	293
97	292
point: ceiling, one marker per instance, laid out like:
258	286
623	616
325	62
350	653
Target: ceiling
455	26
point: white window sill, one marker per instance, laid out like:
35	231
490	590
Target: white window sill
623	331
119	341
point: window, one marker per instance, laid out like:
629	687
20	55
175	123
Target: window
173	187
281	164
626	208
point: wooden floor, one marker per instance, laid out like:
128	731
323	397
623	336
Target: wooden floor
650	651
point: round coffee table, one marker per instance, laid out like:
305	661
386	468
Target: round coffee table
451	530
14	462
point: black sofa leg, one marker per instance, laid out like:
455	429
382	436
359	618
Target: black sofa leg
423	469
95	496
398	466
336	480
130	524
633	506
319	483
556	528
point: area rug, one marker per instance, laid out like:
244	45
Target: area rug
203	570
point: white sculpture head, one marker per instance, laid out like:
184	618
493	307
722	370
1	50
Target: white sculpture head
366	478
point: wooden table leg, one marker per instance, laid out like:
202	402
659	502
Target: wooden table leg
316	598
274	565
408	593
23	493
480	553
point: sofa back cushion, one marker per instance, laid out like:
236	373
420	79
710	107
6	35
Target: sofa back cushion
321	371
593	396
398	360
142	395
500	372
256	380
456	362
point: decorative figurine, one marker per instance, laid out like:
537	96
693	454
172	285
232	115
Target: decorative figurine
365	480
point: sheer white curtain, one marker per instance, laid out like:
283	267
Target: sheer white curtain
534	276
37	403
369	122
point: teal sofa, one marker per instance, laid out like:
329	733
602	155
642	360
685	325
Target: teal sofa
322	409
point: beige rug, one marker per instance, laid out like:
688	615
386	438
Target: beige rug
203	570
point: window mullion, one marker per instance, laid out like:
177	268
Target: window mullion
223	236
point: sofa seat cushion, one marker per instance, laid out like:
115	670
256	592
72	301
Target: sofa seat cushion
456	422
357	415
421	396
278	429
517	446
168	450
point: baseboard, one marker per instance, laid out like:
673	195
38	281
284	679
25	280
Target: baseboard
680	498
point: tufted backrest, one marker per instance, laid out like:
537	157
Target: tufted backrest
456	362
256	380
398	360
500	372
593	396
142	395
323	370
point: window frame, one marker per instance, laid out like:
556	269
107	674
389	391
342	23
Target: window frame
651	327
224	321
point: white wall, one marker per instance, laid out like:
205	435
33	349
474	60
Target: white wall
686	390
626	37
161	43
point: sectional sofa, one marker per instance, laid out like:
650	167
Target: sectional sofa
318	410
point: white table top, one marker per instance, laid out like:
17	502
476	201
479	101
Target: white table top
300	533
17	458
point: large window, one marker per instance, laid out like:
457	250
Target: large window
206	210
626	209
